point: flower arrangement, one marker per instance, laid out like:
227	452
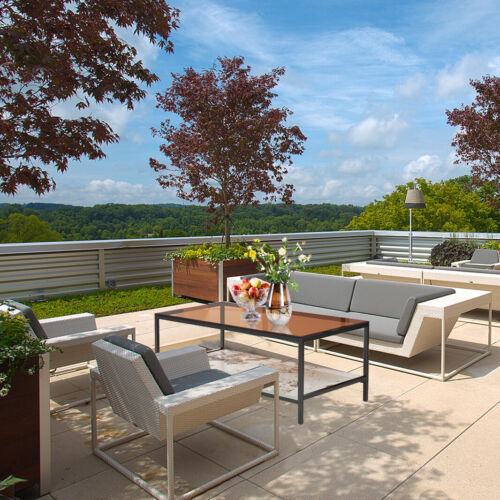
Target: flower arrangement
211	253
277	264
17	347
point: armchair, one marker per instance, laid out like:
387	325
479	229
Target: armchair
482	258
172	392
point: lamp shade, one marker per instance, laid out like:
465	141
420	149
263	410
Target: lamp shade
414	199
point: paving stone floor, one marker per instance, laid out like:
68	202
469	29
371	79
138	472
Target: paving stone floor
415	438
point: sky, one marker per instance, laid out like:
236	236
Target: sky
368	82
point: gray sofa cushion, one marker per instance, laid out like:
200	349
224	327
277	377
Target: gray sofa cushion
322	290
150	360
432	292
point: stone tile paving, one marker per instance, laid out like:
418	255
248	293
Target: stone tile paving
415	438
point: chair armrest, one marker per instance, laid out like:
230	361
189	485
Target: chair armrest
459	263
197	397
90	336
184	361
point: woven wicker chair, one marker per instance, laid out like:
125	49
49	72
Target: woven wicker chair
170	393
72	335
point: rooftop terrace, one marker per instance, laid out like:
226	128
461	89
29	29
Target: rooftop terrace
415	438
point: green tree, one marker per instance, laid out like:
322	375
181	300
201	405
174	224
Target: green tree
450	206
22	229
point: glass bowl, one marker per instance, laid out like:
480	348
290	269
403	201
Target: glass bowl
250	298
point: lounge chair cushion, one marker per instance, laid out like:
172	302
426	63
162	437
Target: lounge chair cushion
150	360
197	379
485	256
28	313
333	292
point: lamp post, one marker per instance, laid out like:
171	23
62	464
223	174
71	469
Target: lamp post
414	199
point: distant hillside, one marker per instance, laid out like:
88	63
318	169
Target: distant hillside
112	221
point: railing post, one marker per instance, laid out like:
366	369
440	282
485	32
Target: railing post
102	269
373	245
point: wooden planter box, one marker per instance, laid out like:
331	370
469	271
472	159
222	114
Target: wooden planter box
20	424
199	280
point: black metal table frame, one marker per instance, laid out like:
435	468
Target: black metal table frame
300	341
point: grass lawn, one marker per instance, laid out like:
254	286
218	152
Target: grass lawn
107	302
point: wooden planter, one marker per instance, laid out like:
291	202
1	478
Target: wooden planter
199	280
20	424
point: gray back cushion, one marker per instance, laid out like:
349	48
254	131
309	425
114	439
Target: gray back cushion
485	256
149	358
323	290
390	298
28	313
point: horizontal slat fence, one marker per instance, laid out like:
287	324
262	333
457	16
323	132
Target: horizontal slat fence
40	270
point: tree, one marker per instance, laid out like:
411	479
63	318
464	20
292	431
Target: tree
478	140
450	206
56	50
22	229
231	144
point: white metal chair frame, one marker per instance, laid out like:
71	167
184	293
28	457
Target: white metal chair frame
135	396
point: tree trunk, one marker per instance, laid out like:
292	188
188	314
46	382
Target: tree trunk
227	236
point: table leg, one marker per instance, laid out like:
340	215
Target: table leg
366	352
157	334
300	384
222	339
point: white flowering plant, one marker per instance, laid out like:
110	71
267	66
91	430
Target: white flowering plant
17	350
278	264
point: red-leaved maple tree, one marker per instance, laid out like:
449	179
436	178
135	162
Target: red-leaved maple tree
231	144
478	140
55	50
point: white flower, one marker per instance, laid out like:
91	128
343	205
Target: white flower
284	239
282	252
302	258
299	247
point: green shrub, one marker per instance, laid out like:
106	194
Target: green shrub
492	245
451	251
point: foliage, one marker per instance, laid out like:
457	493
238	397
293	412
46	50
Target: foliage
21	229
276	263
450	206
478	140
332	269
17	349
71	52
137	221
451	251
10	481
492	245
231	144
107	302
209	253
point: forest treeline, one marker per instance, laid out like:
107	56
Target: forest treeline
116	221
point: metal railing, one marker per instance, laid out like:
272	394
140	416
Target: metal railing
39	270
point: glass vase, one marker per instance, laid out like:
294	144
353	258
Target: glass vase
279	304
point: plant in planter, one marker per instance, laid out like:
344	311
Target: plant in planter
451	251
19	350
230	146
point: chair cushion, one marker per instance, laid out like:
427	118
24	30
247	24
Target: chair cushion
197	379
28	313
485	256
322	290
150	360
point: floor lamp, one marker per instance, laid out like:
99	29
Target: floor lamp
414	199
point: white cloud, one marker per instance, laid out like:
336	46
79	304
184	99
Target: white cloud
412	87
375	132
424	166
453	80
355	166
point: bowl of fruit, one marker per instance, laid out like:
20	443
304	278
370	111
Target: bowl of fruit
249	294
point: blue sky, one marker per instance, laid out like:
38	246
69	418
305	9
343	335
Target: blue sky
368	81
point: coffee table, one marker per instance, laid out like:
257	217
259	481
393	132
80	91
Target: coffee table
302	328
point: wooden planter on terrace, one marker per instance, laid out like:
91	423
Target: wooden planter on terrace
199	280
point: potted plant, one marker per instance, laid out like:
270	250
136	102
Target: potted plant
201	271
278	266
20	361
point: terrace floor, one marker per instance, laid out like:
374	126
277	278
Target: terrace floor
415	438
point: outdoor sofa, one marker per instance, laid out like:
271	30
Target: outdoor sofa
405	319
